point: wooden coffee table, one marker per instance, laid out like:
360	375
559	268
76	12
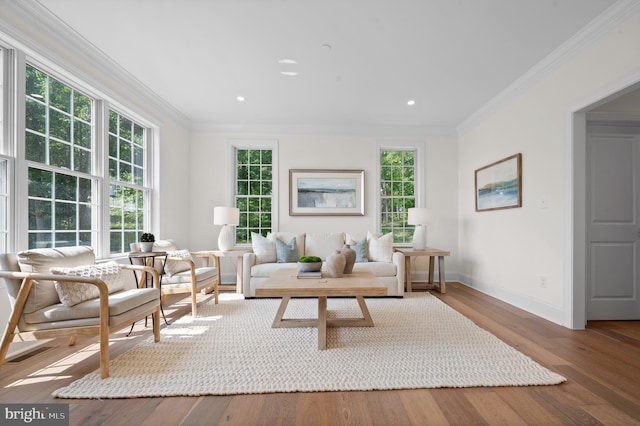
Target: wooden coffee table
285	283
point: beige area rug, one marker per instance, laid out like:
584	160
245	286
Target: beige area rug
417	342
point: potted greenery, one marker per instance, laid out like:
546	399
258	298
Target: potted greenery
309	263
146	241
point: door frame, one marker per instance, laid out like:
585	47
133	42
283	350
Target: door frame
575	238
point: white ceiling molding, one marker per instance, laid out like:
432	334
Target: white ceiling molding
29	13
605	23
414	132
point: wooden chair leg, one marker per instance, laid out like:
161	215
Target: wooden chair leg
194	304
215	292
72	340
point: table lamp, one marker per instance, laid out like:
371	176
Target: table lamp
227	217
419	216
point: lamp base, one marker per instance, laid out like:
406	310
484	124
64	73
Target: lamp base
226	238
419	238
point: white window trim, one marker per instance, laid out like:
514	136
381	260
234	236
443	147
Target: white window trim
419	185
13	94
272	144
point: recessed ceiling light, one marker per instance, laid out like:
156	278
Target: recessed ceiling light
287	61
411	102
289	73
240	98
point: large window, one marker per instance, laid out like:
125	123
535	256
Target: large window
127	191
254	192
397	191
4	204
59	150
66	181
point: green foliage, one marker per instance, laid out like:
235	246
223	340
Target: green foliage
147	237
309	259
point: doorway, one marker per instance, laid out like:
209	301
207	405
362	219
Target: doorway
612	212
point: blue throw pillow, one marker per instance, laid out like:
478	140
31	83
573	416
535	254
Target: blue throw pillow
286	253
362	251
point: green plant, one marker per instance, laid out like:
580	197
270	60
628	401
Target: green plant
147	237
309	259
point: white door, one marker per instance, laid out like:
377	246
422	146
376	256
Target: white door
613	227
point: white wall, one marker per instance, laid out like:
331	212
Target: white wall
211	178
29	33
506	252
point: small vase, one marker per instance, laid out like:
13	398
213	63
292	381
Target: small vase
335	264
350	254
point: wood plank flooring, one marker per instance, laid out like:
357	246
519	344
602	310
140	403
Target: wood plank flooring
602	365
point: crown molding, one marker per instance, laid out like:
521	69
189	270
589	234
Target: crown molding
414	132
26	21
613	17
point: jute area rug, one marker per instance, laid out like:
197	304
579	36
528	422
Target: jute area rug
230	348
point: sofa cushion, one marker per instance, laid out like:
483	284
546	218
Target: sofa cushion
173	267
285	237
43	293
72	293
362	250
380	247
379	269
287	252
323	245
265	270
264	248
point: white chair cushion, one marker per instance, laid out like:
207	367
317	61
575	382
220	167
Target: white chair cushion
72	293
173	267
44	293
379	269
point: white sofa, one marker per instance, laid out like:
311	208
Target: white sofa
258	266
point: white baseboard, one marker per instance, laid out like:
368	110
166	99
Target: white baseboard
535	306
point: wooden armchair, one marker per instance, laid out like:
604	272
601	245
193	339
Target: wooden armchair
51	298
182	274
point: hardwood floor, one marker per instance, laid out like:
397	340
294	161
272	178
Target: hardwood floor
601	364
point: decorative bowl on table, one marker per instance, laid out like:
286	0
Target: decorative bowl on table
309	264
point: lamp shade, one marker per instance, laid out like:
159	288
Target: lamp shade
418	216
226	216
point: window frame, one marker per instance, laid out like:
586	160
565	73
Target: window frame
257	144
419	173
13	146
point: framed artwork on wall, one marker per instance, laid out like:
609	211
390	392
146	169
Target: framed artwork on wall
499	185
326	192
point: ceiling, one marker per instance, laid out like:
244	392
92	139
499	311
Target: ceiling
358	62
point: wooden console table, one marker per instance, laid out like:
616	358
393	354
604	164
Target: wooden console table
230	253
409	254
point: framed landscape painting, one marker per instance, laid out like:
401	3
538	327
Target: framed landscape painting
499	185
326	192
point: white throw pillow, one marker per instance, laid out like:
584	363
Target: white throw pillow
173	267
72	293
264	248
380	248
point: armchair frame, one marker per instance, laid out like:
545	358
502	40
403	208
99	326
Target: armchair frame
103	329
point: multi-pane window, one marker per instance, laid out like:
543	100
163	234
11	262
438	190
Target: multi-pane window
254	192
4	205
127	191
65	184
59	151
397	192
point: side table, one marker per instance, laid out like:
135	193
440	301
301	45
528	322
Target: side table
231	253
409	254
147	258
